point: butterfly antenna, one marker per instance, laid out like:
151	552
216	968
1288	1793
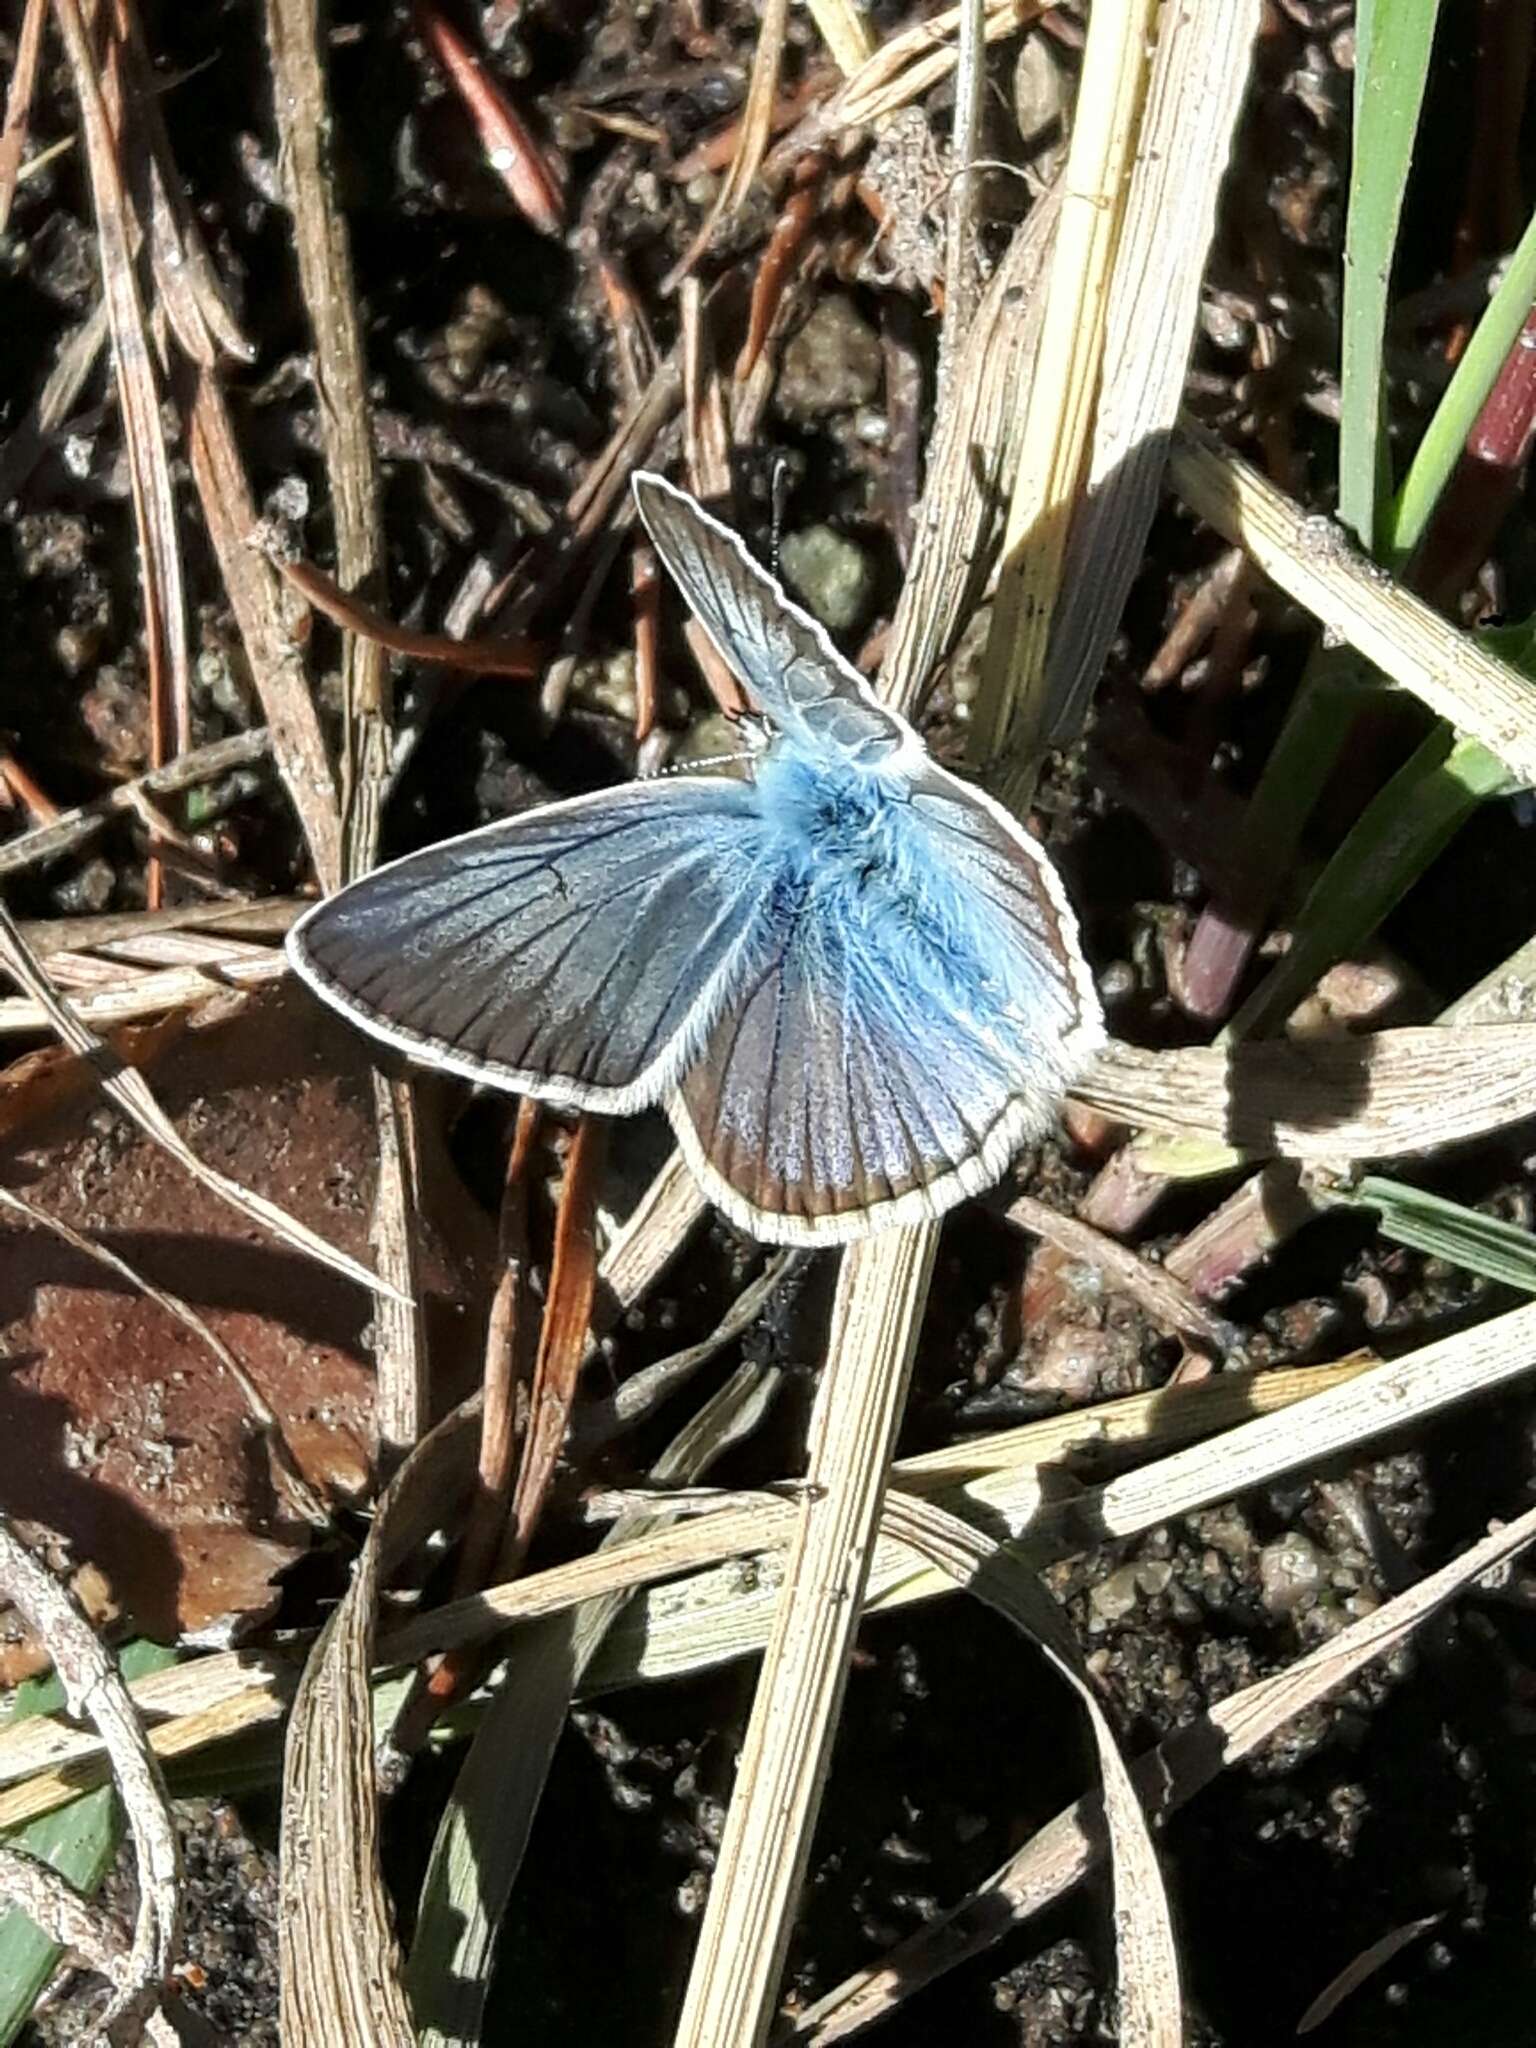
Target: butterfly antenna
778	497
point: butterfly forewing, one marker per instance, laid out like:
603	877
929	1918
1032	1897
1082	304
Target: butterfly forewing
781	653
576	953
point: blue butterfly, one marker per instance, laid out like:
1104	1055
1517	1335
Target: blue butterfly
853	981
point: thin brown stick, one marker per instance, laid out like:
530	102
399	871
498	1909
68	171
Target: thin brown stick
802	206
1167	1300
154	505
752	139
524	166
256	598
18	104
645	597
449	1677
506	1338
511	656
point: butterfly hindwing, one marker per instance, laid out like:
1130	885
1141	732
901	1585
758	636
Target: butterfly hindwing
575	953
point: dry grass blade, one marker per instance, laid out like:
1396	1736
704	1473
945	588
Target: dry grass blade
72	365
1372	1097
712	1617
287	1475
1002	1469
94	1690
652	1235
1312	560
1058	414
131	994
235	1711
154	501
160	938
1507	995
1134	1423
972	459
1387	1396
295	34
480	1846
1150	2003
910	64
131	1092
961	274
249	1685
254	1679
72	829
752	137
402	1403
644	1391
340	1966
733	1984
844	30
1199	78
185	279
1364	1967
1067	1848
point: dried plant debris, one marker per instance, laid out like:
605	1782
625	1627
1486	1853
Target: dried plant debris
125	1434
1040	344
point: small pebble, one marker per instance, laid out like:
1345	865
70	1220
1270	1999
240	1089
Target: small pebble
1112	1599
830	575
832	365
1292	1570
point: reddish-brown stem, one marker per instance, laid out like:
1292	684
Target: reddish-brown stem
562	1339
645	590
509	656
790	232
511	149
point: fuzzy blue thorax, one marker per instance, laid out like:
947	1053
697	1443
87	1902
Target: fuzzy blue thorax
853	874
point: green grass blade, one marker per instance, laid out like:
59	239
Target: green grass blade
1392	842
1447	1230
1461	402
1393	39
80	1841
1305	753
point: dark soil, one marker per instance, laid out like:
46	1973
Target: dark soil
1409	1796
